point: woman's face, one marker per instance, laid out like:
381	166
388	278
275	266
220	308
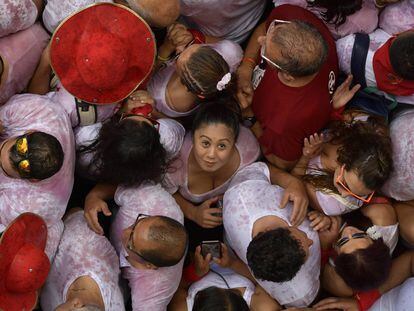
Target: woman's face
354	243
213	146
348	183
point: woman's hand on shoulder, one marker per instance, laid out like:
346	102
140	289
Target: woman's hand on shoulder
179	36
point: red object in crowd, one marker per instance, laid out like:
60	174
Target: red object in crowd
144	110
24	265
101	54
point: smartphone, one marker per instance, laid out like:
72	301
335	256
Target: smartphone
219	204
211	247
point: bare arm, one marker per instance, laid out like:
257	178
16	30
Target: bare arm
39	84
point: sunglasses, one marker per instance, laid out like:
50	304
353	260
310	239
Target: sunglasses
130	243
263	49
345	239
153	122
341	181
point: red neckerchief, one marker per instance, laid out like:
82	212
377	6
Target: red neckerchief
387	80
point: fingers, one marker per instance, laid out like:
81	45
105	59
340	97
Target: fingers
313	215
106	210
299	212
285	199
92	220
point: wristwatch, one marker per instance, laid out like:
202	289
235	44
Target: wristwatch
249	121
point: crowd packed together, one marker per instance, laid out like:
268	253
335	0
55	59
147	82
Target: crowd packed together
206	155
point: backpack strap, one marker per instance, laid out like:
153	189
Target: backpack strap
359	58
86	112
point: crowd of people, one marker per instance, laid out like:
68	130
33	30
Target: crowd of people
206	155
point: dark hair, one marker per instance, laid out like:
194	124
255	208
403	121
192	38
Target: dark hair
275	255
169	242
365	269
45	156
303	48
336	10
402	56
224	110
203	70
219	299
128	153
364	147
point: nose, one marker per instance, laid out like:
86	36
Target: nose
211	153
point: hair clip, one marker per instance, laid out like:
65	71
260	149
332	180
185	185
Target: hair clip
373	234
222	84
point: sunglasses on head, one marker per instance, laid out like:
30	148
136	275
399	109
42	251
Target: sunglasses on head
345	239
20	150
130	243
263	48
341	181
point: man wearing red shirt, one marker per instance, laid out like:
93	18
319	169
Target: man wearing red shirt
293	93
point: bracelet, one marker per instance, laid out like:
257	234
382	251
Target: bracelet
199	37
163	59
250	60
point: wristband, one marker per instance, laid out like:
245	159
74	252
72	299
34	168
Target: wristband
250	60
367	299
190	275
336	114
199	37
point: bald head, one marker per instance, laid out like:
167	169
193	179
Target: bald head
166	241
157	13
301	47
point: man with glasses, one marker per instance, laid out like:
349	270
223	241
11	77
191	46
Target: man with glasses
294	84
151	241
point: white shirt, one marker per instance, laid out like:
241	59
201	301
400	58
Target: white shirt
251	197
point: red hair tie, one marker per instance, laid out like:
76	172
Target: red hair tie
144	110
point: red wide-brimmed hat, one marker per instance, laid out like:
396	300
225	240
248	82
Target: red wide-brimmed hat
24	265
102	53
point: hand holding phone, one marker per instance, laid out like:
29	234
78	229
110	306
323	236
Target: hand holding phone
211	247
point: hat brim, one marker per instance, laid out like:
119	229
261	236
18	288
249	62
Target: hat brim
129	27
28	228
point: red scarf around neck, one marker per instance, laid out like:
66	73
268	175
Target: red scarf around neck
387	80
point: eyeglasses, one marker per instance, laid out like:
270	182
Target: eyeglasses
130	243
153	122
263	49
343	185
345	239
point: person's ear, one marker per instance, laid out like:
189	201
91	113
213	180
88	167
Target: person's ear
287	76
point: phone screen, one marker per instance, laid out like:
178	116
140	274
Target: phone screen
211	247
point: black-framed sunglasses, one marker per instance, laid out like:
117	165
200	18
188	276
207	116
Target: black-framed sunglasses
130	243
345	239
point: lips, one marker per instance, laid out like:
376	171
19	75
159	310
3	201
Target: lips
209	163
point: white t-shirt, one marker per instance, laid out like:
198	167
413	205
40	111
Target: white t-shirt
229	19
82	252
250	197
400	298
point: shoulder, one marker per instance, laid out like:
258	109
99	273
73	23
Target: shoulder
380	214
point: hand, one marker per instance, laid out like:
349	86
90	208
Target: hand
296	192
343	94
319	221
203	214
226	260
93	206
244	85
202	265
179	36
333	303
138	99
329	236
312	146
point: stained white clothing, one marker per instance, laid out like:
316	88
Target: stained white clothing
233	279
397	17
16	15
57	10
150	289
82	252
377	39
400	185
49	197
250	197
400	298
230	19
